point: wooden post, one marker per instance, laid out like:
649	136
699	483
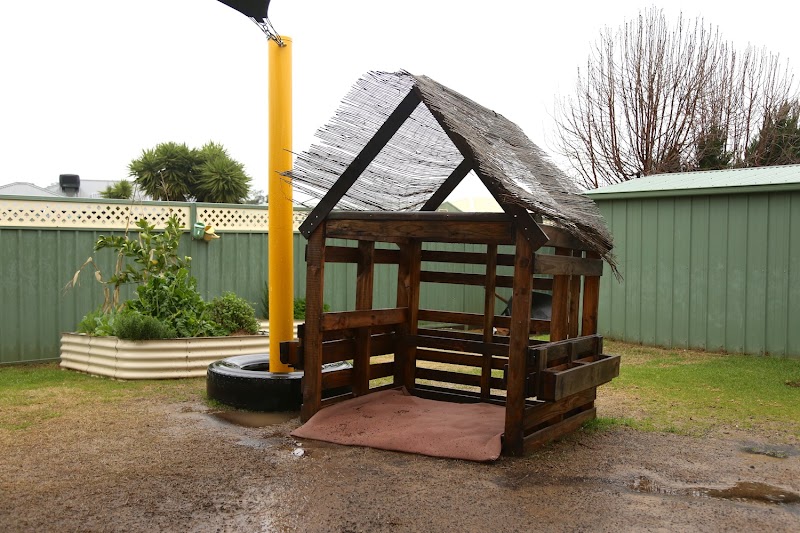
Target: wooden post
488	318
574	301
414	268
518	345
403	286
559	316
364	290
591	300
312	344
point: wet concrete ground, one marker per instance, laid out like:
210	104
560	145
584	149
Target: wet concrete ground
141	465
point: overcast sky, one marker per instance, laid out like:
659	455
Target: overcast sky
85	85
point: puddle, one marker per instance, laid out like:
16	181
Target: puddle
251	419
775	451
742	491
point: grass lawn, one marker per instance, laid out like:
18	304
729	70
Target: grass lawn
32	393
677	391
693	392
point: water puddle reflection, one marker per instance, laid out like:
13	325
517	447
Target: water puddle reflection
250	419
742	491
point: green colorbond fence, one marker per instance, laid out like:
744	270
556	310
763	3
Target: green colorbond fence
713	272
37	261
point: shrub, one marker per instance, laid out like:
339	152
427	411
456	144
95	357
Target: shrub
98	323
299	305
233	314
135	326
173	299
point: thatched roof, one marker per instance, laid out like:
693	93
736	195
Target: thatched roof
446	129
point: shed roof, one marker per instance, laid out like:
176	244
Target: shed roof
446	130
729	181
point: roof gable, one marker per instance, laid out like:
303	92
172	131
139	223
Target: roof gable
382	150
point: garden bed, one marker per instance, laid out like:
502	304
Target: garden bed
154	359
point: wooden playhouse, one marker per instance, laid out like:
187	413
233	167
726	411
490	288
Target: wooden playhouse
395	150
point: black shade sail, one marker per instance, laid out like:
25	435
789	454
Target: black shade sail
256	9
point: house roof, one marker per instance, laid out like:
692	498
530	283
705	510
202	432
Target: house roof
20	188
431	143
728	181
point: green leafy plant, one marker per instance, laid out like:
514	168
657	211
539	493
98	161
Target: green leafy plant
135	326
233	314
173	299
148	254
98	323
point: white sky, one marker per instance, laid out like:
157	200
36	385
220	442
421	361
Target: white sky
85	85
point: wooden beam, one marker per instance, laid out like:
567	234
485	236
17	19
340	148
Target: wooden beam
568	266
448	186
410	356
458	345
347	254
559	314
459	358
403	293
543	436
561	238
435	230
544	411
312	341
575	297
365	274
488	318
476	319
365	318
361	162
591	301
518	346
471	258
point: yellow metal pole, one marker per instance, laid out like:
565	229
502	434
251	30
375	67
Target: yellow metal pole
281	275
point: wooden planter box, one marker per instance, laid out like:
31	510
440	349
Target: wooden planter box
579	375
156	359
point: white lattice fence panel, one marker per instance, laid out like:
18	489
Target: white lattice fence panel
232	218
85	214
241	218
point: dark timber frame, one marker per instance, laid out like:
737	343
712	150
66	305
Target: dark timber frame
550	387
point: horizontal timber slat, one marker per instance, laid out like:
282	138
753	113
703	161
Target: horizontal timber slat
466	335
365	318
561	238
381	370
468	231
470	258
343	349
433	392
456	358
448	377
566	350
544	411
543	436
568	379
327	402
567	265
458	278
336	379
345	254
457	345
476	319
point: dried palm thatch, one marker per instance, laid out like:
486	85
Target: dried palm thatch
439	134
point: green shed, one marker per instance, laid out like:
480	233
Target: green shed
710	260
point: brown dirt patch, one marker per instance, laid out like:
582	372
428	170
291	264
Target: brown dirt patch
146	462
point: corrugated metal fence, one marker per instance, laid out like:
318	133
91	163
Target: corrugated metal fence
43	241
715	272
